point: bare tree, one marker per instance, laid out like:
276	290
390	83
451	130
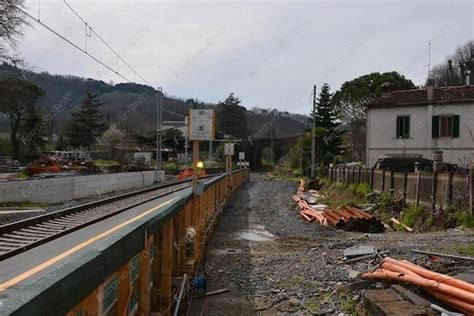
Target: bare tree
452	72
11	25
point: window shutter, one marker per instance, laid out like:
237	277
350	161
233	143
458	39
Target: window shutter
399	125
455	126
435	126
407	127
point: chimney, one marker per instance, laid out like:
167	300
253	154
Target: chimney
386	90
430	89
468	77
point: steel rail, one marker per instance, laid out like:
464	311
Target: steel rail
20	236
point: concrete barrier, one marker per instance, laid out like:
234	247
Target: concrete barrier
56	190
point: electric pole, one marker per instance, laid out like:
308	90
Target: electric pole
313	134
159	120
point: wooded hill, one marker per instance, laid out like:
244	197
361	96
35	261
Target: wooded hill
64	93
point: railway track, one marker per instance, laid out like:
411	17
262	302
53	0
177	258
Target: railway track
18	237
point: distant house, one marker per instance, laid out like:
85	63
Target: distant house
423	121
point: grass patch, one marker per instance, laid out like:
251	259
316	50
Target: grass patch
105	163
465	219
24	204
351	304
337	194
464	249
411	215
23	174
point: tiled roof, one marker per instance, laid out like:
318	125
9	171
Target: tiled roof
451	94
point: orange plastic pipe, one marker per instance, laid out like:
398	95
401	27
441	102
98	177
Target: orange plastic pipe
442	278
459	305
396	268
451	301
307	217
420	281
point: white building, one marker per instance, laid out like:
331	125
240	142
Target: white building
423	121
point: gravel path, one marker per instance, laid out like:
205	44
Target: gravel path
273	262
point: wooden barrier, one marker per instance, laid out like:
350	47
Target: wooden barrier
147	284
427	189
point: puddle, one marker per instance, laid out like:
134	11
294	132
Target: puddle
253	235
228	251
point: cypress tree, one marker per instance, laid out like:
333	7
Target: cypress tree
86	123
329	135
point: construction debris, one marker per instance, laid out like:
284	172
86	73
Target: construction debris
220	291
437	254
354	252
345	217
367	257
408	229
453	292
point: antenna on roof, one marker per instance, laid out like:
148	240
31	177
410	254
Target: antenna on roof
429	60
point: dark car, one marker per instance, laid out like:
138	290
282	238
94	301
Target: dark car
407	164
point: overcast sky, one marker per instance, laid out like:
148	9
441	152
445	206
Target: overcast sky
268	53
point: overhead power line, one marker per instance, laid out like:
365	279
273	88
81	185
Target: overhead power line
73	44
105	42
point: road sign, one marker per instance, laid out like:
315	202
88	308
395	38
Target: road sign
241	155
201	124
229	149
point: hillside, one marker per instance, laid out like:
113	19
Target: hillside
64	93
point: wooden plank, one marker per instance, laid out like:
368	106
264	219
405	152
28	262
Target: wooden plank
155	293
144	279
90	306
167	248
123	289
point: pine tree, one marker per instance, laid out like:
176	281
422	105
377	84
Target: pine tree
86	123
232	118
329	138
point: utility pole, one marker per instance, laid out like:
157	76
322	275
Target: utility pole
186	143
210	150
159	118
313	134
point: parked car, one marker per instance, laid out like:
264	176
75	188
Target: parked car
407	164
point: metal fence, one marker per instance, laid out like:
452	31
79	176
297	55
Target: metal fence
431	190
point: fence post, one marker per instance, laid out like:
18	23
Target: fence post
471	189
405	188
434	190
418	183
392	181
450	188
383	181
372	179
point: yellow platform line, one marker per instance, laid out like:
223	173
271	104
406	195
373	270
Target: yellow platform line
76	248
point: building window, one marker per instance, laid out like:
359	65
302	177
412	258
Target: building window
403	127
446	126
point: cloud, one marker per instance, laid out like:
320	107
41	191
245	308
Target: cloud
213	46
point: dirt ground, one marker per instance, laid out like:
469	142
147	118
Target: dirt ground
274	263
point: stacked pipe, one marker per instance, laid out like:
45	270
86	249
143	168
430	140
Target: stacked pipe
308	213
451	291
347	218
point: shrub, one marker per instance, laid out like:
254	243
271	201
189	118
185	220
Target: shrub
465	219
363	188
411	213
